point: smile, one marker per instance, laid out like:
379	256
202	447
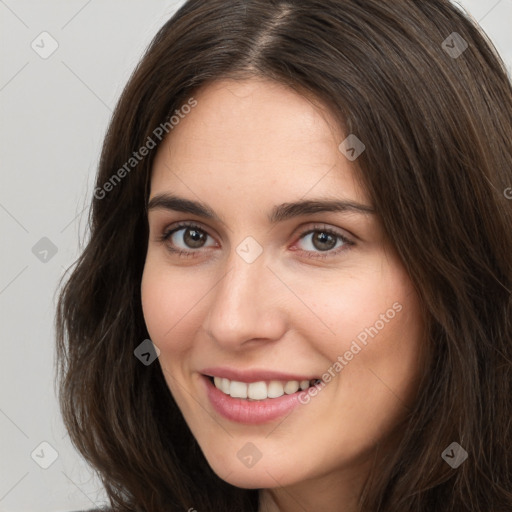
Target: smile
255	402
260	390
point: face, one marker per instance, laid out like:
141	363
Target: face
261	298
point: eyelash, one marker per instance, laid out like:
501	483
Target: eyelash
164	237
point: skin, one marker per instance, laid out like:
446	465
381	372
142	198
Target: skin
246	147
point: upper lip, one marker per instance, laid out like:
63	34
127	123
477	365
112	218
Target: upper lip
254	375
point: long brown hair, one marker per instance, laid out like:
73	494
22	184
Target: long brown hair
425	90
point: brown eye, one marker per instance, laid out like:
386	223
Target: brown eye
186	238
323	242
194	238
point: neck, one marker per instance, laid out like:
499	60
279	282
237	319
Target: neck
332	493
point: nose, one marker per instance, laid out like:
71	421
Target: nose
247	305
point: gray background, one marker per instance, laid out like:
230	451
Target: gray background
54	114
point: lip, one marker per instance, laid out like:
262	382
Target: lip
250	412
253	375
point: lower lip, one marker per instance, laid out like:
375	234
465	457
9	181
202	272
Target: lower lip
250	412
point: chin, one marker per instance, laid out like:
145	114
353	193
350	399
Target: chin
252	479
263	475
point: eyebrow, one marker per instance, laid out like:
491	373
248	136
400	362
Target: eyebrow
279	213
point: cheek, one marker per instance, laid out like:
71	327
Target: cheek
383	355
170	301
375	325
346	307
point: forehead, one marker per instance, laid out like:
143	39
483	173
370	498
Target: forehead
254	138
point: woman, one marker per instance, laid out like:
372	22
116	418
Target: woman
296	292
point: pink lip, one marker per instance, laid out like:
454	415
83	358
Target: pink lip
250	412
252	375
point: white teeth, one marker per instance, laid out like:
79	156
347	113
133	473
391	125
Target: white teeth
224	386
259	390
291	387
238	389
275	389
